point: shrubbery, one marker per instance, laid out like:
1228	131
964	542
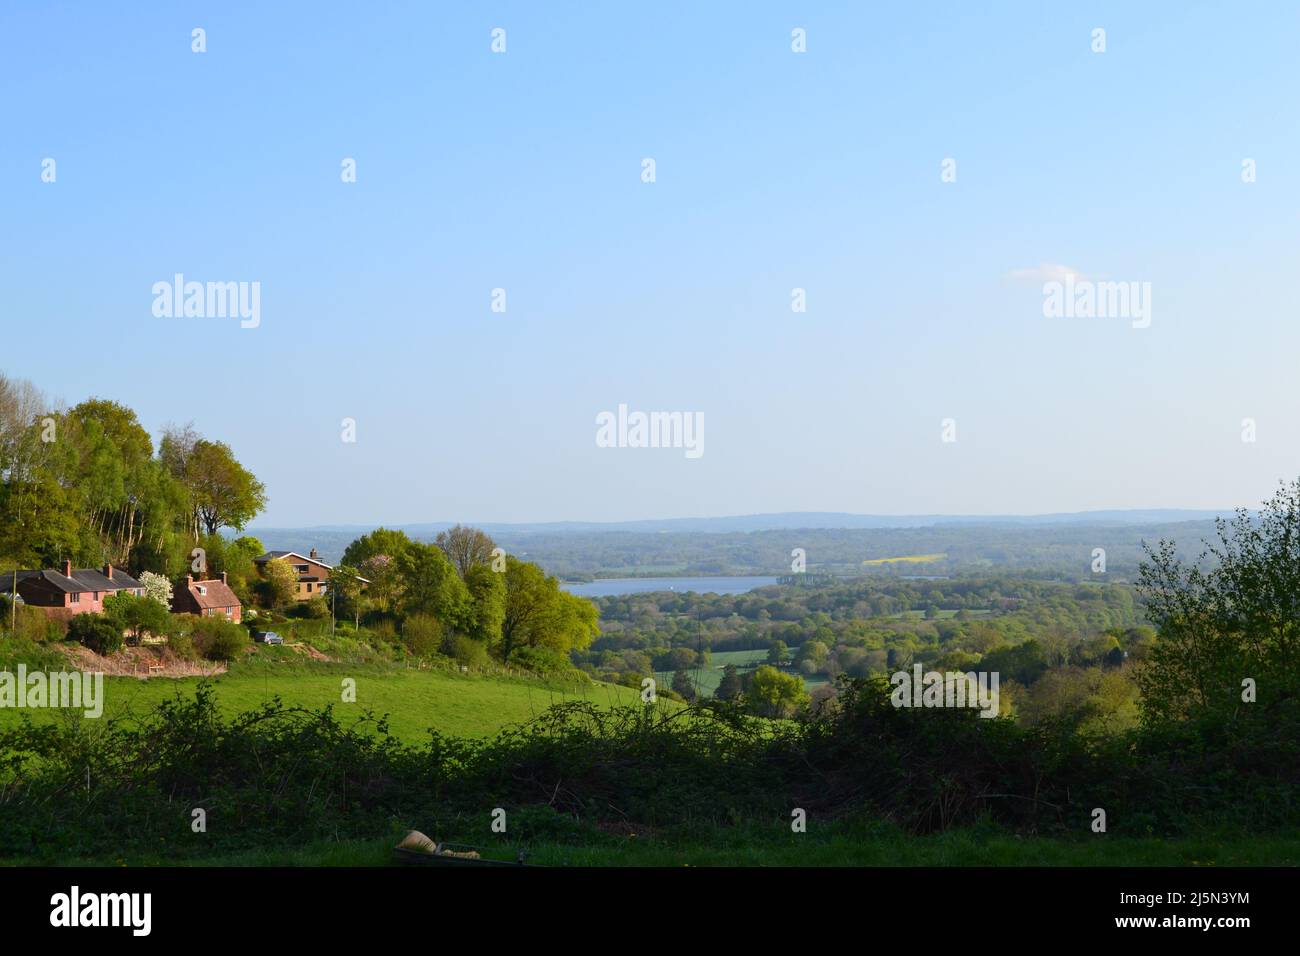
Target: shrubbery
289	774
218	639
95	632
182	645
541	660
422	634
31	623
465	650
312	609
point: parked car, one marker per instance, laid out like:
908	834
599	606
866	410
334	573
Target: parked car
267	637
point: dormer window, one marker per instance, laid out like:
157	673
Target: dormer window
203	592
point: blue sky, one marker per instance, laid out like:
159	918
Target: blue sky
774	170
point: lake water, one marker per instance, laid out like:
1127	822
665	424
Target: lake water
611	587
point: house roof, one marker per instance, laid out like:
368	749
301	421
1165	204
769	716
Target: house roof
272	555
218	594
82	580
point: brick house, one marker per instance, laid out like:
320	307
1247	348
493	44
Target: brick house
210	598
70	591
313	573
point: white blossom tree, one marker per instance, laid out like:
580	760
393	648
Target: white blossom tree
157	587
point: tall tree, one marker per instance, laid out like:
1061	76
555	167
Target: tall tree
226	495
466	547
347	592
279	582
487	592
730	687
539	614
381	541
432	586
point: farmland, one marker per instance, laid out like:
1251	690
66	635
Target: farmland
465	705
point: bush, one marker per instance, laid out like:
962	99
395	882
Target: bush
182	645
422	634
466	650
278	775
139	615
101	636
31	623
541	660
312	609
36	655
218	639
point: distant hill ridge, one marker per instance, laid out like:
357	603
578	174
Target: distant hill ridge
723	544
778	521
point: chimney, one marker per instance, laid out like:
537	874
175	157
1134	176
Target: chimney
314	556
189	579
108	571
67	569
223	577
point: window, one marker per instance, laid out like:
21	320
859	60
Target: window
75	598
301	568
203	592
309	587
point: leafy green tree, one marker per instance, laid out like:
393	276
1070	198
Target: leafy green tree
432	586
539	614
422	634
730	687
347	592
487	592
773	693
778	654
814	652
218	639
386	585
683	685
95	632
1230	616
1024	663
279	583
225	493
139	615
382	541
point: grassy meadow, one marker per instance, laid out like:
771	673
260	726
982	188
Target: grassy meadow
463	705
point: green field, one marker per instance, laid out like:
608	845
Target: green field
454	704
707	679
